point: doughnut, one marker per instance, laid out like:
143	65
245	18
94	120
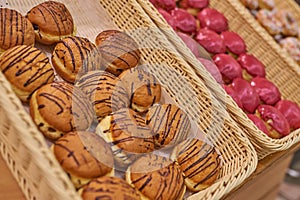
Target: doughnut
289	23
199	163
15	29
143	88
71	55
105	91
184	21
156	177
247	94
266	90
119	51
253	66
170	124
292	46
268	20
51	21
112	188
234	42
27	69
291	111
210	41
128	135
83	156
58	108
213	20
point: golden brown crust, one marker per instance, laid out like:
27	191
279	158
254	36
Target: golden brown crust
289	23
83	154
267	19
112	188
15	29
128	134
105	91
142	87
119	51
69	56
51	21
169	124
27	69
199	163
156	177
63	107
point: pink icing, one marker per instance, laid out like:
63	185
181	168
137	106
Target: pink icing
233	42
259	123
190	43
291	111
252	65
211	41
212	69
213	19
233	95
167	16
184	21
198	3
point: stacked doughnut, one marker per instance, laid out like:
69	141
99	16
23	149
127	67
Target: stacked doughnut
101	113
241	74
279	23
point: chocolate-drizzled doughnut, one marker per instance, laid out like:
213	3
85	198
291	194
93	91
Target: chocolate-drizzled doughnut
58	108
105	91
27	69
73	55
170	124
199	163
128	135
51	21
14	29
156	177
112	188
84	156
119	51
142	87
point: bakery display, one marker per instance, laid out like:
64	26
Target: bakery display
275	122
142	87
119	51
210	40
169	123
233	42
128	135
156	177
15	29
106	92
199	163
71	54
251	66
58	108
84	156
112	188
51	21
27	69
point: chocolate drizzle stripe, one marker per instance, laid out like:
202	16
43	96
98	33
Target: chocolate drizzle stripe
17	29
79	48
11	28
194	153
42	13
37	75
70	51
53	15
3	25
119	50
28	65
71	153
128	49
115	56
55	100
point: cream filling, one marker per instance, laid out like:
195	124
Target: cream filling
139	108
50	39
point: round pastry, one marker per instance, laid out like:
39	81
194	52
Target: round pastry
128	135
170	124
15	29
233	42
292	46
190	43
291	111
105	91
27	69
251	4
199	163
251	65
156	177
84	156
268	20
275	122
167	5
259	123
266	4
58	108
266	90
228	89
198	3
51	21
228	66
247	94
212	69
142	87
70	54
184	21
112	188
119	51
210	41
289	23
167	16
213	20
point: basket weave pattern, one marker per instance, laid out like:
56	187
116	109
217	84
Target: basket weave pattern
282	70
26	151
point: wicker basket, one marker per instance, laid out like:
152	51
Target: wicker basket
26	151
291	6
280	68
